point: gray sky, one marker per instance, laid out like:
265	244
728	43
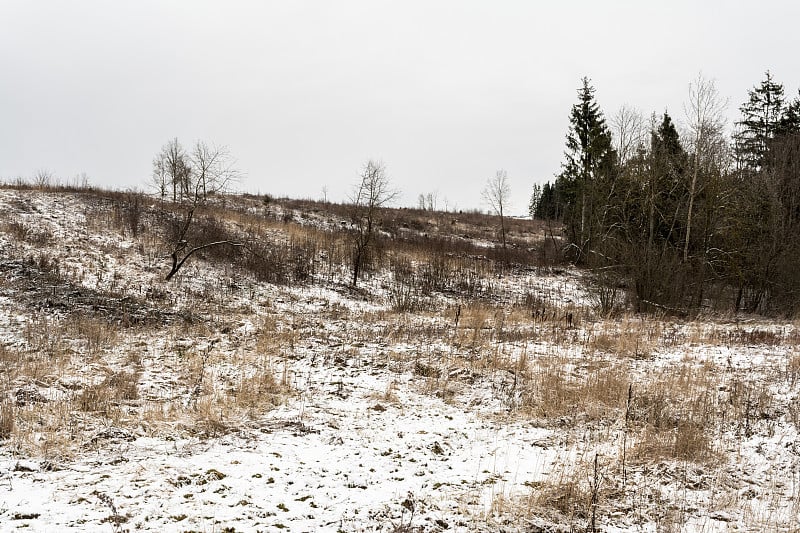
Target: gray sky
303	93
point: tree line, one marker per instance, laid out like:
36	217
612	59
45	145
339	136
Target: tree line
689	219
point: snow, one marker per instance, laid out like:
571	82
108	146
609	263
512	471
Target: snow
381	426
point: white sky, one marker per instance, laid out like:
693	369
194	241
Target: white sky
303	93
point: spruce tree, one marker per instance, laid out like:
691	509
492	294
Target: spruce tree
790	120
589	165
761	117
668	163
536	198
548	207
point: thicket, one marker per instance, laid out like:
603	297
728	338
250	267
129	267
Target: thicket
291	242
685	221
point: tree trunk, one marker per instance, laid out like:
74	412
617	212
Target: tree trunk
692	189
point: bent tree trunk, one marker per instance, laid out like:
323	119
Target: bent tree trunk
178	263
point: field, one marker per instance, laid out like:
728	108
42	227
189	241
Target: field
458	387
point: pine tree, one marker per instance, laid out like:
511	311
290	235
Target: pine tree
589	164
761	116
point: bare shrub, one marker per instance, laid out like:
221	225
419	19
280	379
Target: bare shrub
129	211
36	236
404	292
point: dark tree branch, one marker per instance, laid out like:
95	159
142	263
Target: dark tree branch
177	264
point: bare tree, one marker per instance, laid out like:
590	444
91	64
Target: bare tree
160	180
372	192
212	169
43	179
497	195
705	114
172	169
192	177
428	202
183	249
628	131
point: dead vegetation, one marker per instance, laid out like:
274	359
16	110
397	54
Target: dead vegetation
648	411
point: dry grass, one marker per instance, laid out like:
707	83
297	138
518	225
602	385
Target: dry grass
628	337
96	335
105	397
574	494
7	419
555	390
734	335
618	385
261	390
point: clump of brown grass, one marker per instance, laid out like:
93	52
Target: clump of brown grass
793	368
36	235
44	334
572	494
210	418
555	391
677	412
261	389
472	323
628	337
104	397
389	395
687	440
96	334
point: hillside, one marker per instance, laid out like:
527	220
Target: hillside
458	387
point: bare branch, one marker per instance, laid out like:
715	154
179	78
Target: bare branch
497	194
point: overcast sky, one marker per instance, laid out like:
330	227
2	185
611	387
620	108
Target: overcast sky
303	93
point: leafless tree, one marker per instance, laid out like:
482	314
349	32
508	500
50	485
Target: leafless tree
43	179
183	249
428	202
212	169
172	169
372	192
705	114
497	195
160	180
192	177
628	131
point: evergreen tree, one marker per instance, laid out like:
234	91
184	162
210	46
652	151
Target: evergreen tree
790	121
668	163
761	116
536	198
548	207
589	166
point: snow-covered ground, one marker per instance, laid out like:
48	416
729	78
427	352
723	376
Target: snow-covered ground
359	418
